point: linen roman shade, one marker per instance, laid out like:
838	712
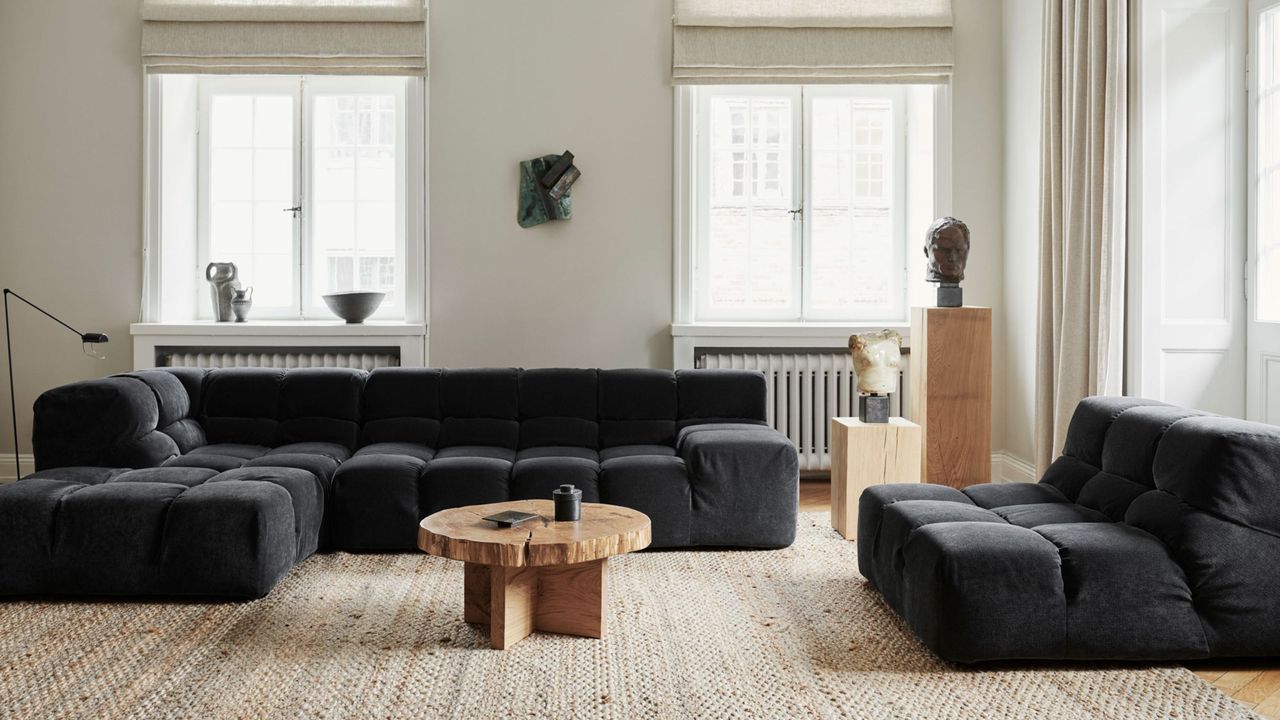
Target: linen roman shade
811	41
333	37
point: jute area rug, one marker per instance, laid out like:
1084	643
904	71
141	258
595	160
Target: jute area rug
794	633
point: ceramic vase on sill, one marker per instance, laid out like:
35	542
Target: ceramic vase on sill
241	302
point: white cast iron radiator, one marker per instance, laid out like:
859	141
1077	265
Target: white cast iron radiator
360	359
806	388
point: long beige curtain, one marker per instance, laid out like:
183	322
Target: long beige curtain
1080	348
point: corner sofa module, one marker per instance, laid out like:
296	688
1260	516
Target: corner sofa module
156	531
229	459
1153	537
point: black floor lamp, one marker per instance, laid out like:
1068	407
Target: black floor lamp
86	339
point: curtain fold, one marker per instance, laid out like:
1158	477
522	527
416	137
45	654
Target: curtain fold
1083	212
811	41
367	37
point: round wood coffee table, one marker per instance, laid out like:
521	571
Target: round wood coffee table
541	575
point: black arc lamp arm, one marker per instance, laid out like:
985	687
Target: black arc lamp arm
84	337
93	337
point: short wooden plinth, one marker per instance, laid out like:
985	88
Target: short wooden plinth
539	576
950	393
866	454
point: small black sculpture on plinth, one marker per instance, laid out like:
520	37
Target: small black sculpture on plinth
947	247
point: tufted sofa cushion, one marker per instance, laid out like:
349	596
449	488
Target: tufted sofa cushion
1146	540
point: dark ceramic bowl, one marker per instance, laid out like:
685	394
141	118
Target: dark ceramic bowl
355	306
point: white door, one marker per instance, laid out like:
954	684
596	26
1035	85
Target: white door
1186	290
1264	212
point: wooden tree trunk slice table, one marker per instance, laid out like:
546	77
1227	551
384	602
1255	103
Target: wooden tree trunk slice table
541	575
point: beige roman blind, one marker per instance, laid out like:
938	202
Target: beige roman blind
333	37
811	41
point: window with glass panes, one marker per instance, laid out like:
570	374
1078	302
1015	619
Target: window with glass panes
304	188
799	203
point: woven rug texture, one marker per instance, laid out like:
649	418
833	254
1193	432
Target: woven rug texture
795	633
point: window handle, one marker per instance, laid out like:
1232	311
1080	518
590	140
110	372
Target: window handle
295	210
798	212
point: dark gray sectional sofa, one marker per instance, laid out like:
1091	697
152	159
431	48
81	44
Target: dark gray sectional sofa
1154	537
216	482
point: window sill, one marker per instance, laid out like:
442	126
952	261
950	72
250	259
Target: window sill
283	328
781	329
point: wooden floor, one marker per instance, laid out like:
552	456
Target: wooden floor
1254	683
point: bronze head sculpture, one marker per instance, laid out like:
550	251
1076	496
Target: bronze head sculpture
947	247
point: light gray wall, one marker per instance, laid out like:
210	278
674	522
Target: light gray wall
514	80
509	81
1022	47
977	172
70	187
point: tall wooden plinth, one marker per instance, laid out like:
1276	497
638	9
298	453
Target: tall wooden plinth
866	454
950	393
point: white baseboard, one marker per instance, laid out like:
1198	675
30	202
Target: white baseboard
1011	468
9	468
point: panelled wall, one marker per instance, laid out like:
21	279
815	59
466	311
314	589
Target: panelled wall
1187	212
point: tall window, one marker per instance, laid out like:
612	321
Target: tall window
799	203
302	182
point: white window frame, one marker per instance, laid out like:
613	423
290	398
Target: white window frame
313	86
702	206
412	106
896	309
692	210
225	85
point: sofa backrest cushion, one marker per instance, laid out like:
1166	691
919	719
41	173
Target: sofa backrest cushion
242	405
402	405
1128	454
321	405
1225	467
637	407
480	407
1086	439
119	432
559	407
719	396
174	402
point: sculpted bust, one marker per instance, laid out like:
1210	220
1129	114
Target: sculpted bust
947	247
877	357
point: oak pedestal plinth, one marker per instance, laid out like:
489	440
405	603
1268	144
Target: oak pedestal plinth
866	454
951	393
541	575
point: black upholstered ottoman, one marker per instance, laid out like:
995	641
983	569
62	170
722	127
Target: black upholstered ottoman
156	531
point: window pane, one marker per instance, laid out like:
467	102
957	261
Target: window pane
750	233
852	237
357	188
251	183
1267	205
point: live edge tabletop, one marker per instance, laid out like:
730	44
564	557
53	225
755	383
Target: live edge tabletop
463	534
539	575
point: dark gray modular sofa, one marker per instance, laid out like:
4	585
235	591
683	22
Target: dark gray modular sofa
1154	537
216	482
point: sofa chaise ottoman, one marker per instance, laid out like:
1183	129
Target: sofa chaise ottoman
1154	536
216	482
